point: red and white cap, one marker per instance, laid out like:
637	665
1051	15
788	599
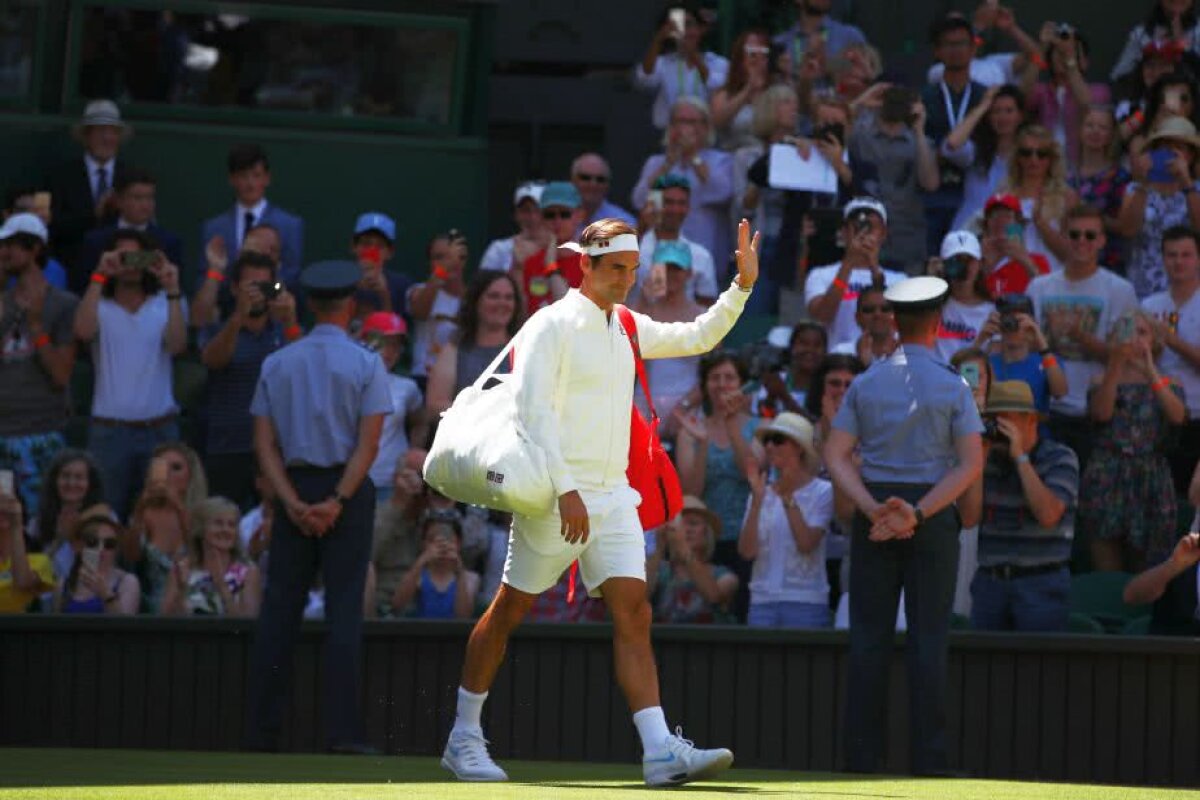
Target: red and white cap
384	323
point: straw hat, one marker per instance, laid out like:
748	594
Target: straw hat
795	427
101	112
1177	129
1011	396
697	506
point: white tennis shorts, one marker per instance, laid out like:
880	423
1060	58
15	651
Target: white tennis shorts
616	546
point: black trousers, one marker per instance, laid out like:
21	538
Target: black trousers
231	475
1183	454
926	567
341	556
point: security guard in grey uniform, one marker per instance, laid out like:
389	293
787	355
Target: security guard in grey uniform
918	430
318	410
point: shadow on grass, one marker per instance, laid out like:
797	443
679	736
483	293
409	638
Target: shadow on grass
783	777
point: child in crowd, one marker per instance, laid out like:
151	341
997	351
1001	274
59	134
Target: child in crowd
437	585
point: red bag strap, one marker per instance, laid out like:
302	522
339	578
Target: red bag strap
630	325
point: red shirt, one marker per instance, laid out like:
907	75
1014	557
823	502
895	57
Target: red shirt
537	277
1011	277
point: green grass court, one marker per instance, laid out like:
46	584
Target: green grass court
158	775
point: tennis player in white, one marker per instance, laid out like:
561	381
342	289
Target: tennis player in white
574	376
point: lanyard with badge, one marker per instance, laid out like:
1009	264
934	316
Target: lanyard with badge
679	69
798	49
951	174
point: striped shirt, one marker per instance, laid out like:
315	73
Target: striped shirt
230	389
1010	533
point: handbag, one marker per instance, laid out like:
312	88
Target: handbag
650	472
482	454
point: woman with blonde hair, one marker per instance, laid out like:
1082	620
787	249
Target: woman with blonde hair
1037	175
215	578
1100	179
155	540
733	104
178	467
683	583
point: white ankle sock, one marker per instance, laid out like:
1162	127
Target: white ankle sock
470	709
652	727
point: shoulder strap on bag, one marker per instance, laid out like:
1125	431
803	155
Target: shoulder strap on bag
495	365
630	325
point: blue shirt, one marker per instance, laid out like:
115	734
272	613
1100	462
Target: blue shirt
231	388
316	390
906	412
1009	532
837	35
1029	370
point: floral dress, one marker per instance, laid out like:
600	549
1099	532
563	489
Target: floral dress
1127	490
202	595
1105	191
676	598
1145	257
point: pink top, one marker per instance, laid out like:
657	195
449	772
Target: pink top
1063	120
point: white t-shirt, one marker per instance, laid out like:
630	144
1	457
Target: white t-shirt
960	325
781	573
393	440
133	367
1096	302
1187	327
993	70
498	255
844	328
703	281
430	334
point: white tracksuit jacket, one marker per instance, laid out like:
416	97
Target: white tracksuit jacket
580	417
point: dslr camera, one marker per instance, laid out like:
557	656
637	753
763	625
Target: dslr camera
991	430
1009	306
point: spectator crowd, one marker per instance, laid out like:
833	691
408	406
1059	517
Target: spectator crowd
1062	209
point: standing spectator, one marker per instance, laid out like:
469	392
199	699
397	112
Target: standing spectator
72	483
784	529
134	199
829	385
894	145
490	316
709	172
214	299
133	318
813	21
1159	198
396	541
1076	308
875	319
1100	180
385	333
1060	104
373	245
155	539
667	226
1007	264
1037	178
545	276
37	354
1173	95
23	575
1030	489
1169	21
1127	502
985	140
176	468
1133	92
1176	316
687	72
510	252
685	587
775	119
591	175
263	320
970	304
36	202
438	585
81	189
785	390
1023	353
214	578
832	291
95	585
733	104
250	177
433	304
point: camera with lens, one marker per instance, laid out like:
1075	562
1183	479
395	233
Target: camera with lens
992	432
834	129
1011	305
762	358
270	289
1064	31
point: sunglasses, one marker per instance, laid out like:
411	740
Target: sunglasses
586	178
1030	152
884	308
95	541
560	214
1076	235
757	50
775	439
837	383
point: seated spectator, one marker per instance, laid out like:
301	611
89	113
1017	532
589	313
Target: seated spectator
829	385
433	304
831	292
784	529
1008	265
254	528
26	199
685	587
250	177
1030	488
396	542
973	365
985	142
813	20
875	319
1101	181
72	483
970	304
785	390
373	245
37	355
23	575
1172	21
1172	586
689	152
733	104
1127	500
665	224
591	175
263	320
214	299
155	539
134	199
566	601
81	188
546	275
489	317
1159	198
1176	317
1060	103
686	72
176	468
1023	353
95	585
501	255
214	578
385	334
893	145
437	585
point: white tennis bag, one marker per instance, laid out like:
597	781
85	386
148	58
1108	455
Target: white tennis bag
482	454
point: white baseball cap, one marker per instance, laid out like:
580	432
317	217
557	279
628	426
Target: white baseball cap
24	223
959	243
530	190
865	203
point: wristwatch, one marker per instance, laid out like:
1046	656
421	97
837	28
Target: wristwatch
920	515
697	161
341	500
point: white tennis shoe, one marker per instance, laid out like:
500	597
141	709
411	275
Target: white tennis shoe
466	755
680	762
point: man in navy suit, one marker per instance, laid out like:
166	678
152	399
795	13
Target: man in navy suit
250	175
135	200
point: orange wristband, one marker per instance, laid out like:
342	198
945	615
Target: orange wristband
841	284
41	341
1049	361
440	272
213	275
98	278
292	332
1163	383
